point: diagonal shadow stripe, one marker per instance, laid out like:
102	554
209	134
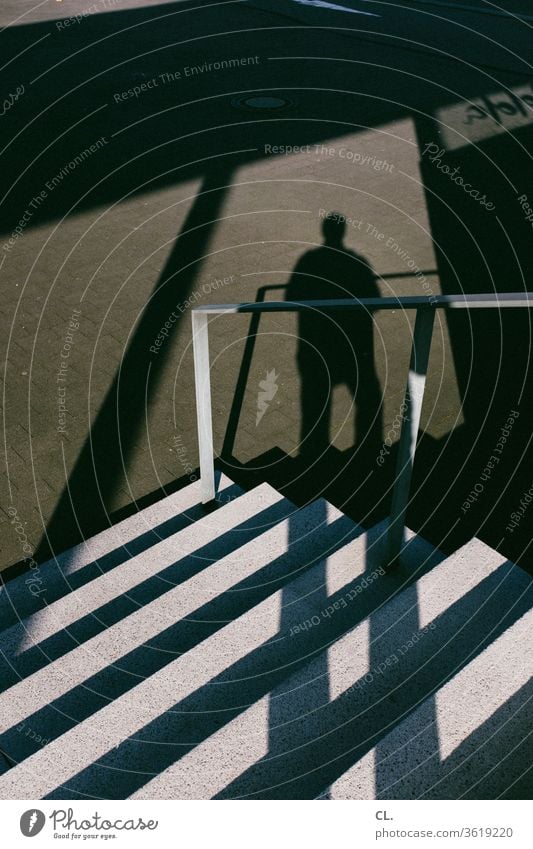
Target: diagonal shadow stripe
104	457
330	738
17	603
147	658
20	666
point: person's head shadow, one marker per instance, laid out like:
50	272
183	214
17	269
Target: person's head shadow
334	230
337	346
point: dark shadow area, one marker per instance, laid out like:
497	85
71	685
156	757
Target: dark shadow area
488	764
283	708
322	743
343	481
481	250
335	349
153	655
410	624
78	80
83	84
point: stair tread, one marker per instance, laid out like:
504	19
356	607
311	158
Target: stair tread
105	550
274	702
469	741
309	539
189	542
305	724
187	676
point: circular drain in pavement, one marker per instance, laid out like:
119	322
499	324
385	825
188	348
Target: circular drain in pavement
257	102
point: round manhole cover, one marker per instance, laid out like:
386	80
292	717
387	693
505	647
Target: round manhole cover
256	102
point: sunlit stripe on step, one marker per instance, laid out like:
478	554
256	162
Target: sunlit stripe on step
418	754
64	757
484	685
464	570
217	761
400	626
106	648
129	529
87	599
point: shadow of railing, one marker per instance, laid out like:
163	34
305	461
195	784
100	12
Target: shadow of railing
327	740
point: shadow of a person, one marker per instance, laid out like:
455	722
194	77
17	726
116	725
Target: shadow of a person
335	347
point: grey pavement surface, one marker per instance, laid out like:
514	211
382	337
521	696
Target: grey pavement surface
121	133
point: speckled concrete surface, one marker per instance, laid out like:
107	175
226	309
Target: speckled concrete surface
287	666
105	550
459	744
335	707
239	656
194	669
222	527
308	531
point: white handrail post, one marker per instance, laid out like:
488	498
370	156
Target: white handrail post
202	382
414	397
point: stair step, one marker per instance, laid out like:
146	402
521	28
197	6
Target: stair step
200	605
329	713
151	573
472	740
242	658
38	588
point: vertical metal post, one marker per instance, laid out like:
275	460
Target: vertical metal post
414	397
202	382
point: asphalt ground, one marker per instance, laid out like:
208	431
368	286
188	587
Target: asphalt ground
141	181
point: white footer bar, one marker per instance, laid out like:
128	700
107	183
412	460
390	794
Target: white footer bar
263	825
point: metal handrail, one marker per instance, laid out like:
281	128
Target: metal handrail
416	381
249	348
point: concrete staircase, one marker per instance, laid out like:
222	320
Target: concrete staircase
257	650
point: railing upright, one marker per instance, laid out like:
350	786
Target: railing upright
203	404
413	400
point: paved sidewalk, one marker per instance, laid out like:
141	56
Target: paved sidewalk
138	182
